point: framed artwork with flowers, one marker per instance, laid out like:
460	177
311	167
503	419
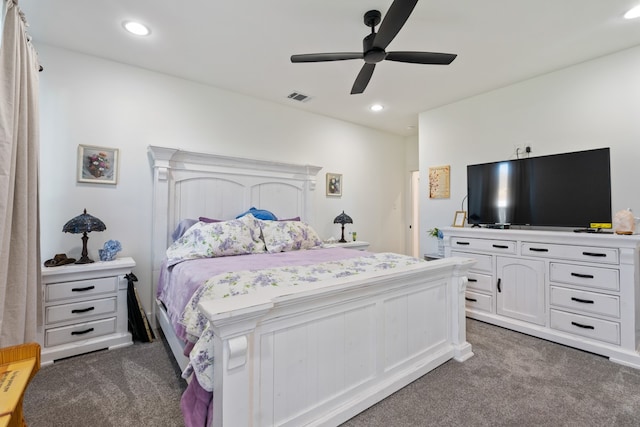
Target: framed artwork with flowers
334	184
97	165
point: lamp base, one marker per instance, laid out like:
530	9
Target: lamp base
342	240
84	259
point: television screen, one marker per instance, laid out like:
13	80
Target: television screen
562	190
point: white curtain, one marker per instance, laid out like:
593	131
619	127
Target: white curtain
19	154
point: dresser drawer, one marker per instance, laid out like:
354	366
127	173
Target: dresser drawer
476	301
483	262
589	302
485	245
597	329
81	289
79	332
479	282
592	277
570	252
80	310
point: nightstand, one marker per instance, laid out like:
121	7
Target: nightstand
357	245
83	308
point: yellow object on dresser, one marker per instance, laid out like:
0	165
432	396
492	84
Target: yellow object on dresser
18	365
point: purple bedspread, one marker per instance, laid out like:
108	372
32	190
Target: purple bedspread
177	284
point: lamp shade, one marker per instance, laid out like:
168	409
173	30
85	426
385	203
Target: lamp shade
84	224
343	219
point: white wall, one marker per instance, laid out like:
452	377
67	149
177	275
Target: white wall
590	105
86	100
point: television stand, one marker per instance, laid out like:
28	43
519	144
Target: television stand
576	289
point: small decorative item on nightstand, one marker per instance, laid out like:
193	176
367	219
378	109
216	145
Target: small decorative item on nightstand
110	250
84	224
343	219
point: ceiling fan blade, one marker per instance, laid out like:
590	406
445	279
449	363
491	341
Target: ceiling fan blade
393	21
321	57
422	57
363	79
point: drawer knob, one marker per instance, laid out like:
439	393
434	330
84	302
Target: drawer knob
86	288
471	299
82	310
86	331
472	280
584	301
463	243
579	325
501	246
539	249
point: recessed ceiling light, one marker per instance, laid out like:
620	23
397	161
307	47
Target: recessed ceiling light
376	107
136	28
633	13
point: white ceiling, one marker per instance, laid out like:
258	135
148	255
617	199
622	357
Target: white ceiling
244	46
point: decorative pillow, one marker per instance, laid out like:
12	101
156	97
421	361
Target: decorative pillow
259	213
182	227
283	236
217	239
205	219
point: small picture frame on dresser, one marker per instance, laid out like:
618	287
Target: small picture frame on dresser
459	218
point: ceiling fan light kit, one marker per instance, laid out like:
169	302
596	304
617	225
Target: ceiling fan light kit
374	45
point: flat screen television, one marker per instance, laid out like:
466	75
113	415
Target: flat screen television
562	190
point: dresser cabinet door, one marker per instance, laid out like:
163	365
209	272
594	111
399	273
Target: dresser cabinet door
520	289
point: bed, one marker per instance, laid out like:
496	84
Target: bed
307	354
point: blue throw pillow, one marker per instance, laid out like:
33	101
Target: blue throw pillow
260	214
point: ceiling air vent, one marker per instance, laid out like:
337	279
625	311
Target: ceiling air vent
297	96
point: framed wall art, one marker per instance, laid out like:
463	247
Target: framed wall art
439	182
334	184
97	165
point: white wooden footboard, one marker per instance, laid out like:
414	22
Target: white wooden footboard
318	356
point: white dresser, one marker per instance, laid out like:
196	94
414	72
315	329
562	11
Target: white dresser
83	308
577	289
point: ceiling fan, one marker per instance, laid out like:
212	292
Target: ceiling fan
374	45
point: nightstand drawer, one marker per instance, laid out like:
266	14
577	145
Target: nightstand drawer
80	310
598	329
79	332
81	288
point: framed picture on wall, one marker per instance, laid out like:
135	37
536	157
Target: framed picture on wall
97	165
334	184
439	182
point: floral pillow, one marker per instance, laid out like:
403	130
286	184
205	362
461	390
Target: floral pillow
216	239
282	236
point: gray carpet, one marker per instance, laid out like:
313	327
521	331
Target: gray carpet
137	385
513	379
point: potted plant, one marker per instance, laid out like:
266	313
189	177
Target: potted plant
436	232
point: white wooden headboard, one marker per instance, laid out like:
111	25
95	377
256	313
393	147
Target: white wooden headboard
189	185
